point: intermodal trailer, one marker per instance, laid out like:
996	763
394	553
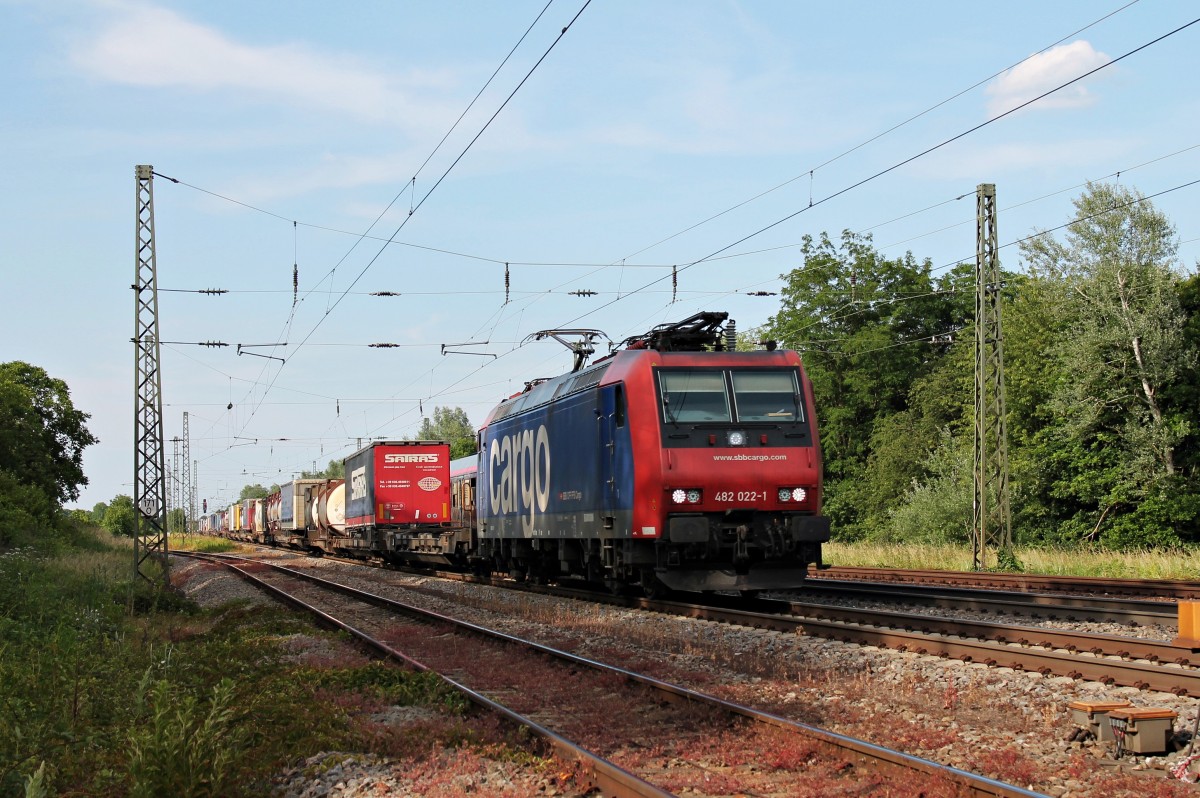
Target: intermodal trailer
295	518
393	486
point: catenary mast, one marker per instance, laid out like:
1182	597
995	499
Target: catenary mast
992	529
149	456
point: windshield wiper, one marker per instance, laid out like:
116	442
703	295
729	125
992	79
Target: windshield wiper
670	410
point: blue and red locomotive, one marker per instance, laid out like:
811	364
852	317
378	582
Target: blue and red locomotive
676	462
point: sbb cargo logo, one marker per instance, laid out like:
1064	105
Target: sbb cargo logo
429	483
358	483
410	458
520	479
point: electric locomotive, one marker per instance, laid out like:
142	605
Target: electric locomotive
675	463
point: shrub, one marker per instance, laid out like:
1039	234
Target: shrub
186	749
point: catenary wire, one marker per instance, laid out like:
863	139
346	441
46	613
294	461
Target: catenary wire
906	161
878	136
431	190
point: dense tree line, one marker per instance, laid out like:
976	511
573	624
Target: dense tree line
42	438
1101	334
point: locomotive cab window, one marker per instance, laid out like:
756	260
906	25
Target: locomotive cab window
694	396
767	396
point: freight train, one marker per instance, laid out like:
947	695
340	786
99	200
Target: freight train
674	463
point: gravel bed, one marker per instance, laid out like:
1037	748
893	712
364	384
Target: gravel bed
1147	632
213	585
1010	725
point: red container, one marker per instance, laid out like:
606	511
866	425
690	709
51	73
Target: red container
398	484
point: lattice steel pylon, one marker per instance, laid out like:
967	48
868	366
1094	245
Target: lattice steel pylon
992	529
149	456
186	482
176	501
170	478
195	496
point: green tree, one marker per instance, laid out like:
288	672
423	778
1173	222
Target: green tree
98	511
26	512
452	426
335	470
937	508
1112	451
867	327
119	518
256	491
1035	321
42	434
1184	394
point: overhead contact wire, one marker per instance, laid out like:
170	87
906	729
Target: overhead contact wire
426	196
904	162
878	136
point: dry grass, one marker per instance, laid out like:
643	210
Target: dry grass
104	566
1147	564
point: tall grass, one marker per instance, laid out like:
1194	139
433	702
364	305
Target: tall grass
103	696
1181	564
201	543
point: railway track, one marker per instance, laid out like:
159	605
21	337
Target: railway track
1166	590
1039	606
654	738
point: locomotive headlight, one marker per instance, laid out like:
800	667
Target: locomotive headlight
785	494
799	495
689	496
735	438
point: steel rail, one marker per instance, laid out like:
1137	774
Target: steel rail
840	745
1036	605
1035	583
1101	645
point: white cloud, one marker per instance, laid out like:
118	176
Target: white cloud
1042	72
142	45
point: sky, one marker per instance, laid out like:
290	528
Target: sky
493	163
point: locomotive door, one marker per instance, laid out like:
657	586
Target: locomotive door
611	417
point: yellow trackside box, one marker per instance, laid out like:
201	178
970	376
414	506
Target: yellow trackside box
1189	625
1142	730
1093	716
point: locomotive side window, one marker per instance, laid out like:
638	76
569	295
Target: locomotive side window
691	396
619	411
767	396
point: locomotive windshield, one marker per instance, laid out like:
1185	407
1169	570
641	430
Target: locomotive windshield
690	396
695	395
766	396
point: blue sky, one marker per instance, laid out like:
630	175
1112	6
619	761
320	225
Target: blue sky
644	120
